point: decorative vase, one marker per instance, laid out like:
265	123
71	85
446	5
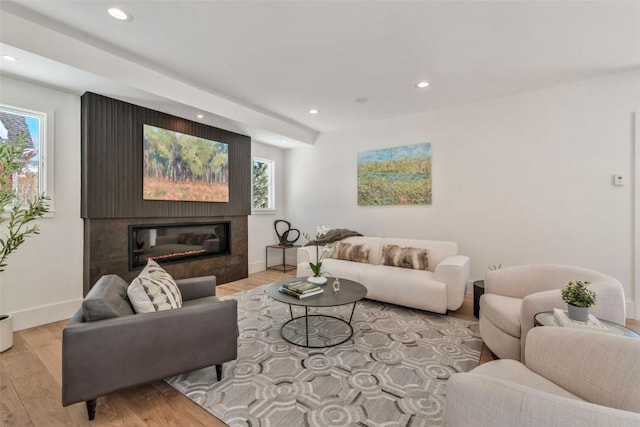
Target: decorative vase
317	280
6	332
336	285
581	314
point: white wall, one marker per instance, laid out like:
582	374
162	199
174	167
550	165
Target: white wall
516	180
43	279
261	231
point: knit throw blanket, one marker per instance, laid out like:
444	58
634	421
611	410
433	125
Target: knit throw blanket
335	235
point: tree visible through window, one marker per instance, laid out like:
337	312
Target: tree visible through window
18	123
263	197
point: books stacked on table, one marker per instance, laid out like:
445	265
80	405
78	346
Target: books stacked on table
300	289
593	323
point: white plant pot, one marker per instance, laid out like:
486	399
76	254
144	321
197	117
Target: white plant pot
6	332
318	280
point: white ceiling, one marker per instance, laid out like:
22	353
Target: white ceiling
259	66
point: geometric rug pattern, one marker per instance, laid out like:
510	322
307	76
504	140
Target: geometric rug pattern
392	372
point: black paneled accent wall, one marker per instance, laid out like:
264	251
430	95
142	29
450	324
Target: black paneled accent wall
112	163
112	171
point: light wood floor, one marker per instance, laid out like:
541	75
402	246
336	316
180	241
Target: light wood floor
30	381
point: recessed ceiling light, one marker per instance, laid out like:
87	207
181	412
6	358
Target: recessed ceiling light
200	116
314	111
284	141
119	14
9	58
422	85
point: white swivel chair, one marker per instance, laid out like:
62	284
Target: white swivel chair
514	295
571	377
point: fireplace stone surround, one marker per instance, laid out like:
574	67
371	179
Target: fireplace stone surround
107	250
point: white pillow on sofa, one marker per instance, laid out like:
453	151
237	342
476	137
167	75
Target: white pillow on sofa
154	290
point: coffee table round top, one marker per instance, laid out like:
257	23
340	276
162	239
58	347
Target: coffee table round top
349	293
547	318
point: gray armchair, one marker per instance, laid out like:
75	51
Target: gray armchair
107	347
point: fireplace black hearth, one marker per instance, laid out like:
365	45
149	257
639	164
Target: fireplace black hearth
169	243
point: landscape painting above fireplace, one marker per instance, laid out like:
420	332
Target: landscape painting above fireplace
179	167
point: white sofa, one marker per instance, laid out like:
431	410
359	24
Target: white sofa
571	377
439	288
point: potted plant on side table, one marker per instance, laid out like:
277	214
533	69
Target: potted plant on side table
15	217
578	299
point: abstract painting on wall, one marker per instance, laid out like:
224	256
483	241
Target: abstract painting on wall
395	176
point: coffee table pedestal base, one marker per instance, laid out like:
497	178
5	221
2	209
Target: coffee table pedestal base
304	321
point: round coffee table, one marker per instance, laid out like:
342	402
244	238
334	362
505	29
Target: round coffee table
350	293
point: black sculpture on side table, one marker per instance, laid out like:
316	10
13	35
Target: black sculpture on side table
284	237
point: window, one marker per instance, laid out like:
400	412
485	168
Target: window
263	185
15	122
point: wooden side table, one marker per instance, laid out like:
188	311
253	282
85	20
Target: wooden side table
283	266
478	290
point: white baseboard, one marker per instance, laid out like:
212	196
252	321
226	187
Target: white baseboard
44	314
256	266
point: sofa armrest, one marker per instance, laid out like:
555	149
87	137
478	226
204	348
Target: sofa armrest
104	356
306	254
197	287
454	272
482	401
598	367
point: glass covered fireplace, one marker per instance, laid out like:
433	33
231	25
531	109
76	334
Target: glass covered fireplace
167	243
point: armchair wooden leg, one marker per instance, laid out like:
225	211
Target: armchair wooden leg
219	371
91	408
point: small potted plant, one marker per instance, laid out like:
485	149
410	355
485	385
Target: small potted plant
14	155
578	299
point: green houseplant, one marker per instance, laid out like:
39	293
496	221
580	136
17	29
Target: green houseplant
578	299
15	217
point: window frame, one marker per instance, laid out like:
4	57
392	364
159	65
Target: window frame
271	209
45	149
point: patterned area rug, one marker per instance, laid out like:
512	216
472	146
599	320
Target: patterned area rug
392	372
